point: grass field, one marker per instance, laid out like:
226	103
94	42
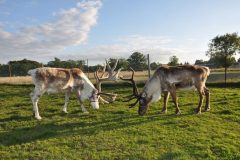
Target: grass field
117	132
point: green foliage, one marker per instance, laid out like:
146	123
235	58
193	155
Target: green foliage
4	70
138	61
154	65
66	64
173	61
91	68
117	132
219	61
122	63
223	47
199	61
18	68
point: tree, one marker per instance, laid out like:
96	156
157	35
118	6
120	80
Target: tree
223	48
199	62
67	64
219	61
21	67
122	63
137	61
55	63
208	63
154	65
173	61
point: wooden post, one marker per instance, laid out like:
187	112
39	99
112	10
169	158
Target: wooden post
87	69
225	71
9	70
149	69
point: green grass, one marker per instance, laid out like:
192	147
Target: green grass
117	132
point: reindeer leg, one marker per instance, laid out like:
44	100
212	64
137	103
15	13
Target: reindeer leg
166	96
207	94
81	102
35	95
174	98
84	110
201	93
67	95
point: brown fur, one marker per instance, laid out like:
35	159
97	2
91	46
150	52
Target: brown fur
187	76
58	77
173	78
53	80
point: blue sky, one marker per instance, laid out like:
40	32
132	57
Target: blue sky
98	29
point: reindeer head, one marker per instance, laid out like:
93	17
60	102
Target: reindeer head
144	103
142	98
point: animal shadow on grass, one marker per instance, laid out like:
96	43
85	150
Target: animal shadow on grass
170	155
16	118
11	95
43	131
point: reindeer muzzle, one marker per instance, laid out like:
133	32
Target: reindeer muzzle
142	110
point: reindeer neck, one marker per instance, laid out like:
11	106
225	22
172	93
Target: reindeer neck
88	86
153	86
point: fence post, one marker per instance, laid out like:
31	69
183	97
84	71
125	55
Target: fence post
9	70
87	69
149	69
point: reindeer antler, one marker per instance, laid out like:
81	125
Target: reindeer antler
111	96
135	93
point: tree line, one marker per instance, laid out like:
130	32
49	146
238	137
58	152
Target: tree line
222	49
20	68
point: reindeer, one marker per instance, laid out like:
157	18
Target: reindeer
53	80
168	79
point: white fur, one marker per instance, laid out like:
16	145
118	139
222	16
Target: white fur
72	84
153	89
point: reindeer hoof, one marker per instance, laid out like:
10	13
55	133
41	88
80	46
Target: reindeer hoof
38	117
65	111
178	113
206	109
198	112
163	112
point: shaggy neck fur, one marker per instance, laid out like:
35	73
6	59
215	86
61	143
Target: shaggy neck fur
88	88
152	89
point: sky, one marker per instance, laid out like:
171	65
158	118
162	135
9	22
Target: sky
98	29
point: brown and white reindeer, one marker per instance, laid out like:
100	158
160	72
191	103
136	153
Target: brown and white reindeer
53	80
167	80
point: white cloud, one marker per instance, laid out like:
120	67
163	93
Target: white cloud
145	41
159	48
71	27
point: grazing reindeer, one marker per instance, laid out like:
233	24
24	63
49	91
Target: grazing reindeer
54	80
168	79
